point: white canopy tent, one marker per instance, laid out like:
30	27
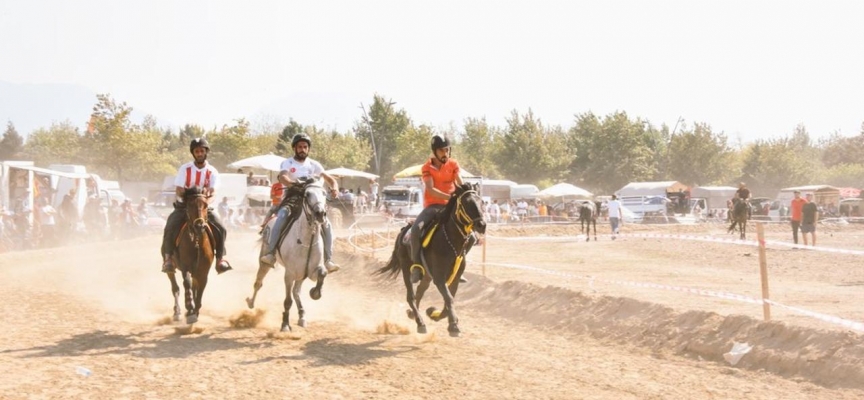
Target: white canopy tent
343	172
268	162
564	190
651	188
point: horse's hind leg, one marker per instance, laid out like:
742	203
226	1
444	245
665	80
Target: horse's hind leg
594	222
175	290
301	321
263	269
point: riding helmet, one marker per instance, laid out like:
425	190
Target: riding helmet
301	137
199	142
439	142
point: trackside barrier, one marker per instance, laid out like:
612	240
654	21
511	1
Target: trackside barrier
765	301
699	292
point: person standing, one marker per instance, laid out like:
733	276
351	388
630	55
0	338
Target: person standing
615	215
809	217
796	208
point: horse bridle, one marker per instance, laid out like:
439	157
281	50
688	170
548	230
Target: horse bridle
463	220
202	219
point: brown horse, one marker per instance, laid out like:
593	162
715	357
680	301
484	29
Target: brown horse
193	255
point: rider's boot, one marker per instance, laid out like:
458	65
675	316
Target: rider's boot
222	265
327	235
269	256
168	265
417	270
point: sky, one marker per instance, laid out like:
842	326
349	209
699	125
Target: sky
751	69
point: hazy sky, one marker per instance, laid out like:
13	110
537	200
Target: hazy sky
753	69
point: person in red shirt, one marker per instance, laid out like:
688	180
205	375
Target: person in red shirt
796	209
440	175
276	191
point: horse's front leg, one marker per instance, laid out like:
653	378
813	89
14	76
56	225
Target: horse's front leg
452	319
593	222
315	292
289	287
175	290
263	269
301	321
187	294
198	286
414	300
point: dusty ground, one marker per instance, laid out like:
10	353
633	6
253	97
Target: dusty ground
525	334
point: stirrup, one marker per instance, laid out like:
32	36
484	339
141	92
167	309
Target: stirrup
223	266
417	272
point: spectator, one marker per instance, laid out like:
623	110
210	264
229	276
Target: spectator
250	181
809	217
495	212
47	223
373	192
795	215
505	212
615	216
223	208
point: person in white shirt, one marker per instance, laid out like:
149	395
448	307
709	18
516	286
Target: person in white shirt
196	173
615	215
293	172
495	211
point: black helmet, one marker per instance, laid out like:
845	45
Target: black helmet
439	142
301	137
199	142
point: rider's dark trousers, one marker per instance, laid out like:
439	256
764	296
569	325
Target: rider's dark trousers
175	221
420	222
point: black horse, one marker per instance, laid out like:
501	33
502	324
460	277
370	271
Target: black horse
588	212
446	242
739	217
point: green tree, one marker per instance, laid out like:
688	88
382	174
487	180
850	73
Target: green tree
12	144
59	144
333	149
477	149
613	152
231	143
381	127
532	153
118	149
838	150
700	157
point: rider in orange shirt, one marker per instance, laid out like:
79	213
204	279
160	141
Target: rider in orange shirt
440	175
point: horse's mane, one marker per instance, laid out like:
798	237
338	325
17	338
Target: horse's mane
451	204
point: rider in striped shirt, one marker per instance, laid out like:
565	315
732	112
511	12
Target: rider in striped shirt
196	173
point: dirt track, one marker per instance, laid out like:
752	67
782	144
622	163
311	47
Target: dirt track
102	307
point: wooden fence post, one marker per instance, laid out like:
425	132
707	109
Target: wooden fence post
763	270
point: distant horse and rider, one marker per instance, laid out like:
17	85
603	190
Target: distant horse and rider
445	243
739	215
193	255
300	250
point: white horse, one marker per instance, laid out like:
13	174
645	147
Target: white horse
301	252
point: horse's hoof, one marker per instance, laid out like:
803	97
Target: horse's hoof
250	303
315	293
176	317
191	319
301	323
454	331
410	314
421	328
285	328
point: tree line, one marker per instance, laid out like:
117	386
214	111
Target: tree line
599	153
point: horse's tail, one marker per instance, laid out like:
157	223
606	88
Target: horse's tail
392	268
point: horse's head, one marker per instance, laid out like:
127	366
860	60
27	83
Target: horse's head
196	207
315	200
468	212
